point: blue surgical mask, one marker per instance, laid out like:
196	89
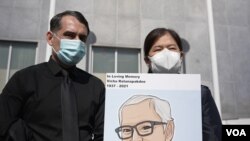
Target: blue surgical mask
71	51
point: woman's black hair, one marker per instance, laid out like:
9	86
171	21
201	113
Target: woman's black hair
154	35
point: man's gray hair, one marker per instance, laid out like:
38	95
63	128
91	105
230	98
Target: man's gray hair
162	107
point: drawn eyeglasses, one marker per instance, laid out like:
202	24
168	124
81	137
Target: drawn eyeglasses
143	128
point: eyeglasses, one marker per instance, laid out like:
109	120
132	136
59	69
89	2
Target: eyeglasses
143	128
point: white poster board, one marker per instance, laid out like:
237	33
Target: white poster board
181	91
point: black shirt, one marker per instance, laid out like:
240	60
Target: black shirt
33	95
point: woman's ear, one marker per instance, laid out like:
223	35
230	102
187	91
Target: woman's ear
169	130
182	55
147	61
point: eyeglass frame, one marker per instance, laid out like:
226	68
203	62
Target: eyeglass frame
153	123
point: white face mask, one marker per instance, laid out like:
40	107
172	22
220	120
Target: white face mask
166	61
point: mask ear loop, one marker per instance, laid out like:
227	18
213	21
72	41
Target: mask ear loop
148	63
54	35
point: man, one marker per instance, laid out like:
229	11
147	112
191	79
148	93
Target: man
55	101
145	117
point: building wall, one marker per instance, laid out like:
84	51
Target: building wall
232	31
25	20
125	23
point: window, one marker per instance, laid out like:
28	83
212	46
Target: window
13	57
111	59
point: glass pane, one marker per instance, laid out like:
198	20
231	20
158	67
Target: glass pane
127	61
103	60
23	55
4	52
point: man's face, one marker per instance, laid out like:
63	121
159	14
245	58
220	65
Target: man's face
71	28
143	111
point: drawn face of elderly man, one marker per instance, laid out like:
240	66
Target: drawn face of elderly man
145	118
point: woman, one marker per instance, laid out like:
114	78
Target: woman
163	54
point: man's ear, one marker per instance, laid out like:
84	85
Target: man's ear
49	38
169	130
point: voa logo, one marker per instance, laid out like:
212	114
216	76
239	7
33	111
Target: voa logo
236	132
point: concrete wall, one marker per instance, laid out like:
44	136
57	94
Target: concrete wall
25	20
232	31
126	23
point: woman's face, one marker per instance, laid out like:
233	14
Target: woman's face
166	41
